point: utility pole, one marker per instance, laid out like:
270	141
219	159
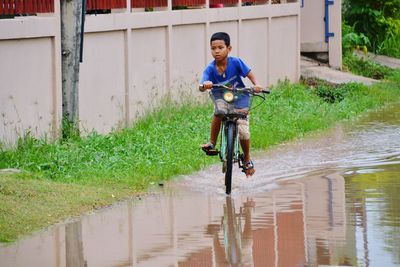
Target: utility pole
71	30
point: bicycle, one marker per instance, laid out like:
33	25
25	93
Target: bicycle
230	150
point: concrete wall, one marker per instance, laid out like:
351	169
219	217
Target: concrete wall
313	27
30	77
132	61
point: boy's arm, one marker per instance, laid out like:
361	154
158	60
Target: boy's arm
207	85
252	78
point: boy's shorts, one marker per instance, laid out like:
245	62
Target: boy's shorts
221	107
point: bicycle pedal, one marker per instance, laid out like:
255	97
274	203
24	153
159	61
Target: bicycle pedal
212	152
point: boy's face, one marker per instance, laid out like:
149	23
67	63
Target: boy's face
219	50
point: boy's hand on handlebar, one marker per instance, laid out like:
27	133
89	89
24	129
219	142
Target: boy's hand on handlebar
207	85
257	88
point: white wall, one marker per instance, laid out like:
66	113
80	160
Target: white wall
132	61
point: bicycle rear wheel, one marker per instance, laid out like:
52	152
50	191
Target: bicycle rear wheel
230	141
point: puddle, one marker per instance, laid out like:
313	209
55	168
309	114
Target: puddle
330	200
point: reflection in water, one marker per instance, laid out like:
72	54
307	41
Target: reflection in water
331	201
236	239
295	219
73	245
373	199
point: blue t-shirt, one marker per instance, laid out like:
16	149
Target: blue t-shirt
235	70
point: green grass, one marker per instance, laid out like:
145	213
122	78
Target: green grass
28	205
164	144
391	46
366	68
65	178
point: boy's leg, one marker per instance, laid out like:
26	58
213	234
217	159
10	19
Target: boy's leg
215	127
220	107
245	144
244	136
248	164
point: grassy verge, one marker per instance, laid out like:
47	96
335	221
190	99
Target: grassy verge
29	204
65	178
365	67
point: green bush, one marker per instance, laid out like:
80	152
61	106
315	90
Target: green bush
377	19
352	40
333	93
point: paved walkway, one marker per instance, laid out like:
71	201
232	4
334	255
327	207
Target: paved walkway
313	69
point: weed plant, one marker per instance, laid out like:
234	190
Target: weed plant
390	46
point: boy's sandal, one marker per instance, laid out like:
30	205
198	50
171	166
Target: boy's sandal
248	168
209	149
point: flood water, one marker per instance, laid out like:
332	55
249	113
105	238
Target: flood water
330	200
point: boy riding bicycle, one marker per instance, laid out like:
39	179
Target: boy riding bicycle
228	71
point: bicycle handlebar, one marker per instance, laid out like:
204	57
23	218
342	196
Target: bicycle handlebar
247	89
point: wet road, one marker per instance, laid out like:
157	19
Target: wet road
329	200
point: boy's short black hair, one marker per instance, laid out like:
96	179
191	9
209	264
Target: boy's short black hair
221	36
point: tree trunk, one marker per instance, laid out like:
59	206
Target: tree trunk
71	28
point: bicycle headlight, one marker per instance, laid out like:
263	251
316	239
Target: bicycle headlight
228	96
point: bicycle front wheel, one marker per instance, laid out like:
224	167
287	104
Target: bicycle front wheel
230	141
